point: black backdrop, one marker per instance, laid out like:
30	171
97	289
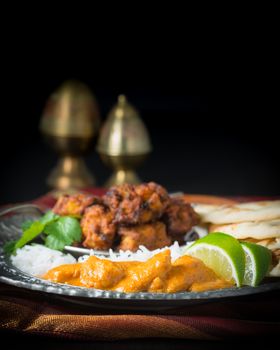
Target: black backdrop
220	148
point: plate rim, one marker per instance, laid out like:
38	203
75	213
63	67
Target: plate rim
11	275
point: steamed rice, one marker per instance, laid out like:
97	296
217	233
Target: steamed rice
142	254
37	259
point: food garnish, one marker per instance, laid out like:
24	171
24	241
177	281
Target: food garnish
244	263
57	231
258	261
223	254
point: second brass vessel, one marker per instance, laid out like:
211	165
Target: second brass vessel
123	143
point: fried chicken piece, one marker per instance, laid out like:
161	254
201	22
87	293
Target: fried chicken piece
137	204
98	228
74	205
179	218
152	236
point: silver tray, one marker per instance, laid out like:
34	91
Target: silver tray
10	223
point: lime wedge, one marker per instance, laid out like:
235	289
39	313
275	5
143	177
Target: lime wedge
222	253
258	260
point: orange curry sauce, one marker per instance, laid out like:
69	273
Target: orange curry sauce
157	274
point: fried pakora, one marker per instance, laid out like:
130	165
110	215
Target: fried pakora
152	236
98	228
74	205
179	218
128	216
137	204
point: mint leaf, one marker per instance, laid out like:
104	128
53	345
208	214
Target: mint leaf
28	235
62	232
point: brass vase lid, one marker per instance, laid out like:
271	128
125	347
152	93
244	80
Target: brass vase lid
124	133
71	111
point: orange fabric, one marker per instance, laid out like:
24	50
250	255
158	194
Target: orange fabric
34	313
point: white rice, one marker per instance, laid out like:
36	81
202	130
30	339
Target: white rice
37	259
142	254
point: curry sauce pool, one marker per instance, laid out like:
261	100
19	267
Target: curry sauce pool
157	275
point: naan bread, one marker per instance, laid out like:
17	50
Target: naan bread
273	245
275	272
244	212
208	199
270	243
257	230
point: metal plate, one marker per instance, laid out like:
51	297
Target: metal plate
10	229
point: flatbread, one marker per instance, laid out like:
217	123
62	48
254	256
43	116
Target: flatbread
208	199
244	212
257	230
275	272
271	243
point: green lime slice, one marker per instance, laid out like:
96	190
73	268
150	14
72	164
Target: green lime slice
222	253
258	261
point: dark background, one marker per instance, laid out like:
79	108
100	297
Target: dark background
223	147
206	97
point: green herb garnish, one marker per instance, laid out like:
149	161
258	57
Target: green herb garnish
57	232
30	233
9	247
62	232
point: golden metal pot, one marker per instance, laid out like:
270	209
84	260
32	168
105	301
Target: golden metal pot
123	143
69	123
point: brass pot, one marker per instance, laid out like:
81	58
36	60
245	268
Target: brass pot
69	124
123	143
